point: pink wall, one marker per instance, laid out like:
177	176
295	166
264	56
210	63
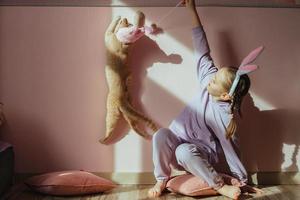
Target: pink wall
53	86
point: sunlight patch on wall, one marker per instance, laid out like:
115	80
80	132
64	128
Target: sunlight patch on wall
178	79
128	154
260	103
128	151
298	158
291	157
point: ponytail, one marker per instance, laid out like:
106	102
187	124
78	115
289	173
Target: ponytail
231	129
236	102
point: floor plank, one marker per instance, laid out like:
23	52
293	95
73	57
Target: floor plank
139	192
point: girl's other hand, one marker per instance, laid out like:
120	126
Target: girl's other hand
190	4
250	189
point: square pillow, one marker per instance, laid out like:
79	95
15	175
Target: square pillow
68	183
191	185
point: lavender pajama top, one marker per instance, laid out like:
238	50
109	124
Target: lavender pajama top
204	120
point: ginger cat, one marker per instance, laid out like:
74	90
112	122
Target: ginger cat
118	79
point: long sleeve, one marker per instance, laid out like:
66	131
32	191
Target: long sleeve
236	167
205	65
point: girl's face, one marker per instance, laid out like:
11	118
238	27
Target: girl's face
219	84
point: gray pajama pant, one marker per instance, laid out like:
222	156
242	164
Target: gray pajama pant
171	151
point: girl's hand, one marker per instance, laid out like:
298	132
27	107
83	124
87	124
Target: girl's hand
250	189
190	4
236	182
246	188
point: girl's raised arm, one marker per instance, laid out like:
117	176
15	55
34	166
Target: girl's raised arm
205	65
190	5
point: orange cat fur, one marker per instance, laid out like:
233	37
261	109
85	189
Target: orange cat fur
118	79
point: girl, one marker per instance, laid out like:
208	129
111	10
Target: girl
199	140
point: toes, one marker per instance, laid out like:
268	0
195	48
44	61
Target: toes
153	193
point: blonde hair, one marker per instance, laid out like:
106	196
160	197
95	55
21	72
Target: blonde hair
236	101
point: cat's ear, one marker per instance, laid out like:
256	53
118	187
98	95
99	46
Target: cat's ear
252	56
112	26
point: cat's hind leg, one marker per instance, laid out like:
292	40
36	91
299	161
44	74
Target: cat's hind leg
134	125
142	118
113	115
133	118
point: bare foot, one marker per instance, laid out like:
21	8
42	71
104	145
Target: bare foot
230	191
157	189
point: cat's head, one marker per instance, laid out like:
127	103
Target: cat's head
123	23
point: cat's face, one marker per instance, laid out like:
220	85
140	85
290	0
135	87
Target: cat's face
122	24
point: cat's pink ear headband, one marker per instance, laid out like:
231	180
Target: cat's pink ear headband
245	68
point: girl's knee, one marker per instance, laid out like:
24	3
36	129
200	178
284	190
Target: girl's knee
184	152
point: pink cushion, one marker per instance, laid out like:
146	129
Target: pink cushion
66	183
191	185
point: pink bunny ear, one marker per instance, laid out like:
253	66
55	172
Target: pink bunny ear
246	69
252	56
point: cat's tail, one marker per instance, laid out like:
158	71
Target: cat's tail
133	117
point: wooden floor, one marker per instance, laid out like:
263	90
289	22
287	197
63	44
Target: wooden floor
139	192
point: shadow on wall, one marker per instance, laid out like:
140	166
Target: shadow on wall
144	53
226	53
263	135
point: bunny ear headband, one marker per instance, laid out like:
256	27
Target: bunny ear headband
245	68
